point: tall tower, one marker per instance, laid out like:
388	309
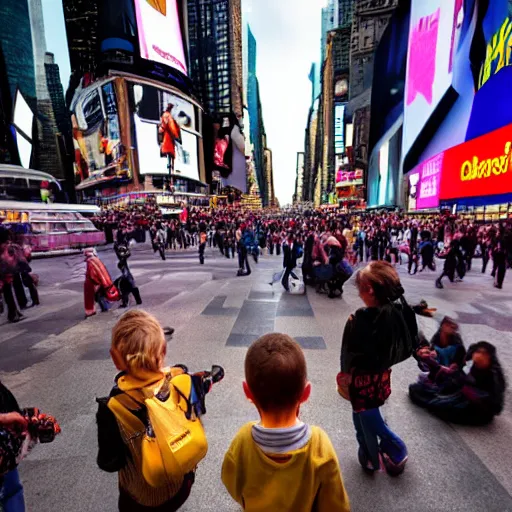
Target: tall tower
16	43
215	48
48	156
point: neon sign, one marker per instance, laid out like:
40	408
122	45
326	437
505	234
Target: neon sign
480	167
498	54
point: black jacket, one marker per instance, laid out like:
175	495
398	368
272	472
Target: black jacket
291	255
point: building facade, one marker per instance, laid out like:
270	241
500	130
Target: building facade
215	49
81	17
370	19
299	178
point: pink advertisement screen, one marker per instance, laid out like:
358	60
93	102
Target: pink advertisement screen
159	29
429	185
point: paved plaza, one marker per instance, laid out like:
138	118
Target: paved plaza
60	362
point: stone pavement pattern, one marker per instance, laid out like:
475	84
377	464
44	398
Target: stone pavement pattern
60	362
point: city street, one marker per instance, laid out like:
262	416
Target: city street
58	361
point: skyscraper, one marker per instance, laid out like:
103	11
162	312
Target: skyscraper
257	128
56	93
81	17
47	153
215	49
16	43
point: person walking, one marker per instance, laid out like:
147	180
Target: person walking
291	253
98	285
244	268
376	337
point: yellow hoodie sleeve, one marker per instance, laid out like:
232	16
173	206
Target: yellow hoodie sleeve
229	475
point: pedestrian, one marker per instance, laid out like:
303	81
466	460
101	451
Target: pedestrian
281	463
202	247
453	262
376	338
126	283
499	257
292	251
98	285
244	268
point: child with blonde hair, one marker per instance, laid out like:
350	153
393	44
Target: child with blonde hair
138	351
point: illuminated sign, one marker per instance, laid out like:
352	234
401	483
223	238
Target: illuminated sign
434	35
480	167
429	184
499	52
349	178
160	40
339	137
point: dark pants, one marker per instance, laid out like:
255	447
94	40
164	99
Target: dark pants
128	504
501	269
485	259
286	278
19	291
161	250
243	261
12	308
278	249
11	493
201	253
370	429
271	249
127	286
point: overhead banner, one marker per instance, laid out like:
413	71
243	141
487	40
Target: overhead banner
480	167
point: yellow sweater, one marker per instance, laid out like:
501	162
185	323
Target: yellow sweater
308	481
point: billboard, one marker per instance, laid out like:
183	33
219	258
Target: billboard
160	37
435	27
99	150
339	135
23	120
480	167
152	107
429	184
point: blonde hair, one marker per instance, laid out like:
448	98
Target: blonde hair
383	278
140	341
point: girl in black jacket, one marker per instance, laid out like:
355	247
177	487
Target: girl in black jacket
377	337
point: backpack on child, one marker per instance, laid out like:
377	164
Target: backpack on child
174	440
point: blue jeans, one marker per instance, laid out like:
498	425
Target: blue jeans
11	493
370	428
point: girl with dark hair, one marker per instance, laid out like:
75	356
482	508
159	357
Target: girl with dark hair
376	337
473	397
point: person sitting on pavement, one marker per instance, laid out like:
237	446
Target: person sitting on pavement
471	397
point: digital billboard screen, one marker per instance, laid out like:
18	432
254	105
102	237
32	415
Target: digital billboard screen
160	37
480	167
339	136
429	185
151	103
435	27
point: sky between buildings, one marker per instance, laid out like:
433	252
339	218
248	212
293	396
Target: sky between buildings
287	33
288	37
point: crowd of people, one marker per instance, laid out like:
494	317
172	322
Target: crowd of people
269	461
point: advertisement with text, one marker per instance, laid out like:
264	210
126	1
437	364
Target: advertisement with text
160	36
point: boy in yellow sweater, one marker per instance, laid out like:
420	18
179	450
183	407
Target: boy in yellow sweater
281	464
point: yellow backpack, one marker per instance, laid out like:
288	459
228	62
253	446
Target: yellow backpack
175	441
